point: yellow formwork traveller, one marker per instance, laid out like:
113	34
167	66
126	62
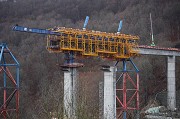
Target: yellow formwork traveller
93	43
88	42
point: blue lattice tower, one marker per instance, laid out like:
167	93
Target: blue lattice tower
127	90
9	84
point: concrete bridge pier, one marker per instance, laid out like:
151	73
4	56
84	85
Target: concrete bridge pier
70	87
171	53
171	83
109	109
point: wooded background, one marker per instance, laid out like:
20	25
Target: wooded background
41	85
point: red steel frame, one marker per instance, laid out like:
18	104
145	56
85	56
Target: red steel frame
125	101
10	84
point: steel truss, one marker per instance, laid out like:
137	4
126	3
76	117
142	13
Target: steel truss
127	90
9	84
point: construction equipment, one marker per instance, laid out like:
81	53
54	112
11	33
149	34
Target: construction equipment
9	83
84	42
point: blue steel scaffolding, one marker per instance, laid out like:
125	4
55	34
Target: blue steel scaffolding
9	84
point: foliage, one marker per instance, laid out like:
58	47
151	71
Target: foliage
41	77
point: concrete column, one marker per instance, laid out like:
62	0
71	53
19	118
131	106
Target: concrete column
171	84
75	87
70	86
101	99
109	111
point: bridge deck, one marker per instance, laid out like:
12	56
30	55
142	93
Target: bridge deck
149	50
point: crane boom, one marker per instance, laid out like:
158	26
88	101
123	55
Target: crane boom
35	30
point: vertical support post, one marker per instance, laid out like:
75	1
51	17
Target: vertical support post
70	92
17	92
110	93
171	84
5	87
101	99
74	75
67	94
124	96
13	83
70	86
124	115
124	89
124	82
137	99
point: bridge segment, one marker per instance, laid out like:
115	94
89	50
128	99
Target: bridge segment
171	53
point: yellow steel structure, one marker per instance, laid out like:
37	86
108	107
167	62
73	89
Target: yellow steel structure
93	43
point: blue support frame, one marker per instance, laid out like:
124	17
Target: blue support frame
124	70
69	57
14	79
125	61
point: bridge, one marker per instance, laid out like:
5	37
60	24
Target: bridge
115	46
170	53
111	79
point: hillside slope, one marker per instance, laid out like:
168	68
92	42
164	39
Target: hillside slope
41	77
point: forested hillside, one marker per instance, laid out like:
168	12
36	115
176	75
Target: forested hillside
41	86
